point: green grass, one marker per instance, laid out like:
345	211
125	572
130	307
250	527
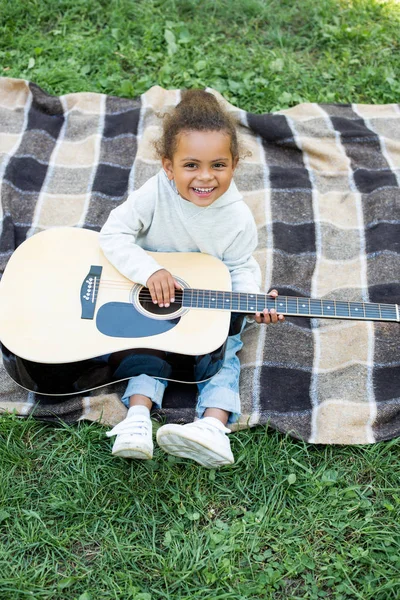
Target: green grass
288	520
262	55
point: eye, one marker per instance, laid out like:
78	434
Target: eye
219	165
190	165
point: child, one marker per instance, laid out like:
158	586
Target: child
191	205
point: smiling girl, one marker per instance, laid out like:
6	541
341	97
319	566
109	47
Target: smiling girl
191	205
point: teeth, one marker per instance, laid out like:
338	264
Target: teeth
206	190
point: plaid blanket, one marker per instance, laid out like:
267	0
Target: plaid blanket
323	184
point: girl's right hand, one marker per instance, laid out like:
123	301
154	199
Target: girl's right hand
162	287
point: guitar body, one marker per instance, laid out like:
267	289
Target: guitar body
70	322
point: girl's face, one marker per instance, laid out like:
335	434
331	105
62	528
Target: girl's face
202	166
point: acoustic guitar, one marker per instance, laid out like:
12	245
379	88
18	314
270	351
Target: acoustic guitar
70	322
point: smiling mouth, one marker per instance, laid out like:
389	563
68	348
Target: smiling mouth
204	191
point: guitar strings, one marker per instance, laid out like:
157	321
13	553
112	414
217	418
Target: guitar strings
122	286
145	295
145	292
340	311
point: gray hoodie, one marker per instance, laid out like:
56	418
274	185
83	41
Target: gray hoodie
158	219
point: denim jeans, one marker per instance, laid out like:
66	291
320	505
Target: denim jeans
221	391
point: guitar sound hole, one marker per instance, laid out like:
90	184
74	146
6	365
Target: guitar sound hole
148	305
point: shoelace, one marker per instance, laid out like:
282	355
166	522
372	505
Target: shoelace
131	426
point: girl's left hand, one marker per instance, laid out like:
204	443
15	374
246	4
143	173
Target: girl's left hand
269	316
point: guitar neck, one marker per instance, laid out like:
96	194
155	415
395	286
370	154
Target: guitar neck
289	305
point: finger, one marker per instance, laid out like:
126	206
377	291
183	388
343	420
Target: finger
152	293
274	315
266	316
177	285
165	292
168	289
171	291
159	293
273	293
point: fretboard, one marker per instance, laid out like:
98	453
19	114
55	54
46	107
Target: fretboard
289	305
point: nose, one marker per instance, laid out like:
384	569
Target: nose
206	174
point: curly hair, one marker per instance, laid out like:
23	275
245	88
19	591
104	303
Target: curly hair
197	111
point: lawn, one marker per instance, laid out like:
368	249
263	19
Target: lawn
288	520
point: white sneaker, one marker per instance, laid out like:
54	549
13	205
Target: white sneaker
134	438
204	441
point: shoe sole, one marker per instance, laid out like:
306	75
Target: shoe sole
128	452
176	441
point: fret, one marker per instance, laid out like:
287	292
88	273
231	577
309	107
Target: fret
220	300
235	301
268	303
357	310
372	310
226	303
193	298
207	294
213	299
186	294
260	303
265	302
292	305
190	296
243	302
342	309
227	300
316	309
281	304
388	311
252	303
328	308
200	299
303	306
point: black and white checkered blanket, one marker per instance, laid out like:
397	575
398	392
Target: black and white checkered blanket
323	184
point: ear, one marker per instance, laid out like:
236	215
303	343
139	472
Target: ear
235	163
168	168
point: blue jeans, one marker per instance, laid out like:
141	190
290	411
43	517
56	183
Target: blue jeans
221	391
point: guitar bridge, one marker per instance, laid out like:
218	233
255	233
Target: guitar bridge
89	292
